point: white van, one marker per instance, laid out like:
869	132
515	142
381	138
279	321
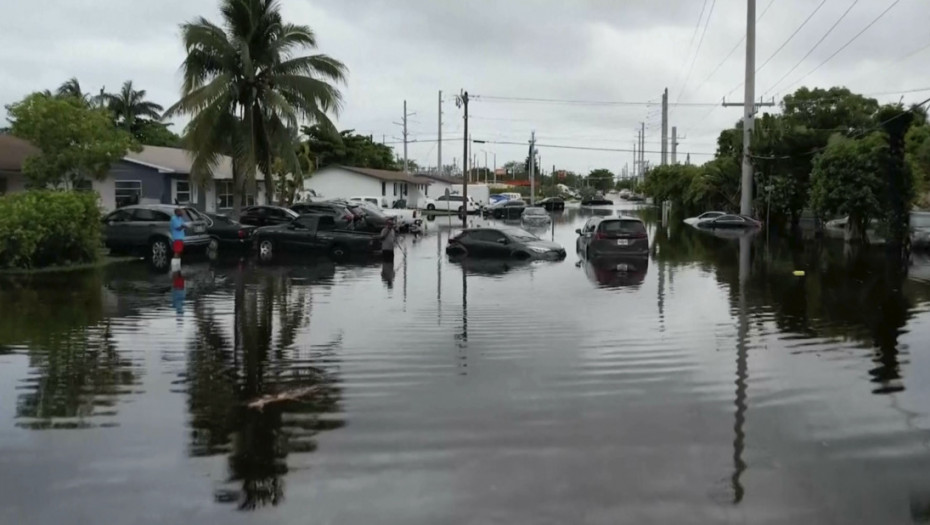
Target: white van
380	202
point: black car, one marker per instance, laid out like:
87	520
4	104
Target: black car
552	204
226	233
503	243
342	215
313	234
507	210
741	222
597	201
259	216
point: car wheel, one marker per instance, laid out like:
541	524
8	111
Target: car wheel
430	207
158	253
265	250
461	210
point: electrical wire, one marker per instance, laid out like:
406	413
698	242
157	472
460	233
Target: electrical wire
696	52
811	50
785	43
694	33
844	46
499	98
584	148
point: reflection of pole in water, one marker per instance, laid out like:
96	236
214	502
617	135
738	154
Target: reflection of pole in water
463	344
742	372
438	276
661	296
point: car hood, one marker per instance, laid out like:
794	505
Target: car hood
548	245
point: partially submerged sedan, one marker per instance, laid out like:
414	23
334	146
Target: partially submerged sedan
503	243
706	216
535	217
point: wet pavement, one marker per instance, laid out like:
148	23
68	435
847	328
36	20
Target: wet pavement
705	384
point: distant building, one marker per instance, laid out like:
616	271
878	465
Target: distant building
349	181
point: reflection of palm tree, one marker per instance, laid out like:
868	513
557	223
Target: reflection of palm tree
260	359
80	373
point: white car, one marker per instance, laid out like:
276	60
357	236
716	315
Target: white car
707	215
453	203
535	216
380	202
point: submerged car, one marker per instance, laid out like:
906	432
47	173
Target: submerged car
226	233
707	215
313	234
602	236
730	222
507	210
503	243
552	204
535	216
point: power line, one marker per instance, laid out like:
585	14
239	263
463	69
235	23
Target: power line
806	20
694	33
696	52
811	50
583	148
498	98
844	46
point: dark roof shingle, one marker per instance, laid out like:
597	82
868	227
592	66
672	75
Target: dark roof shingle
13	151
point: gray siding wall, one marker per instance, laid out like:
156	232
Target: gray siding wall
156	187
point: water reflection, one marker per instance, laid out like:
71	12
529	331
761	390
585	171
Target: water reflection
259	358
616	271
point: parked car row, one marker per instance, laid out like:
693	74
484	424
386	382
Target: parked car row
145	230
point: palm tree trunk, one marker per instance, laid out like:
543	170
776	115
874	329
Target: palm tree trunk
237	188
269	178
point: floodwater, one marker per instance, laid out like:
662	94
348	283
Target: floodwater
707	384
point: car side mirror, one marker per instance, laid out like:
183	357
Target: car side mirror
578	231
502	241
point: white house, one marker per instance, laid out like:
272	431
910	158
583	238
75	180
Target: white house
347	181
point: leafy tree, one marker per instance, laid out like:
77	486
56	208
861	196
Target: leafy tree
246	88
72	88
76	141
847	180
899	186
130	109
412	166
601	179
917	147
347	148
151	133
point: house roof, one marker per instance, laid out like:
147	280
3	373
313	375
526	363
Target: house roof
386	175
175	160
13	151
440	178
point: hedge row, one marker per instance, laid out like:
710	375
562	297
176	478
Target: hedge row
48	228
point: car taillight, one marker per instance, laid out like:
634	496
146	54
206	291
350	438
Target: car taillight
598	236
242	234
640	235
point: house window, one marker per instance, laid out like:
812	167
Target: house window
383	188
182	192
128	192
224	195
405	188
83	185
395	189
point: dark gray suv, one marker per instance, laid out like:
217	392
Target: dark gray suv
606	236
146	229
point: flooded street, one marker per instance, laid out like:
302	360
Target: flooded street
707	385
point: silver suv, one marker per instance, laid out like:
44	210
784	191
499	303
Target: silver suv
146	229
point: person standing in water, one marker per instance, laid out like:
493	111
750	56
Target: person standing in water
178	227
387	241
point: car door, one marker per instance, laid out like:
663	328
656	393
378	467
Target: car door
488	243
729	221
116	229
587	233
145	223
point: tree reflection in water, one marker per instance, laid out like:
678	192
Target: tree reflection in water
260	358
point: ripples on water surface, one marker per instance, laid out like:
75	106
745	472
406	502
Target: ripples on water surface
706	384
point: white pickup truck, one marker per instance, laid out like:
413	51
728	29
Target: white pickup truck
450	203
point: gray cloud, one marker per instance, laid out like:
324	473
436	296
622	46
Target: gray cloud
580	50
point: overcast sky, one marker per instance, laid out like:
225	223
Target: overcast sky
594	50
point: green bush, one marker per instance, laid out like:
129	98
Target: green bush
48	228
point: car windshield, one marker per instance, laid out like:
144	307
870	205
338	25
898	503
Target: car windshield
710	215
291	213
521	235
534	211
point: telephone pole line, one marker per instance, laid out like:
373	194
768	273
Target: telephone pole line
404	124
532	168
439	142
642	149
674	144
462	101
665	127
749	108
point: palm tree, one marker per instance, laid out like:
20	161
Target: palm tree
245	88
71	88
130	108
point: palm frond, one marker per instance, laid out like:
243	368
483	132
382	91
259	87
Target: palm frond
309	94
312	65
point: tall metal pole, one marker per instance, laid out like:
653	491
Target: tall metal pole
495	167
405	136
642	149
665	127
674	145
745	202
439	141
463	99
532	168
485	167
